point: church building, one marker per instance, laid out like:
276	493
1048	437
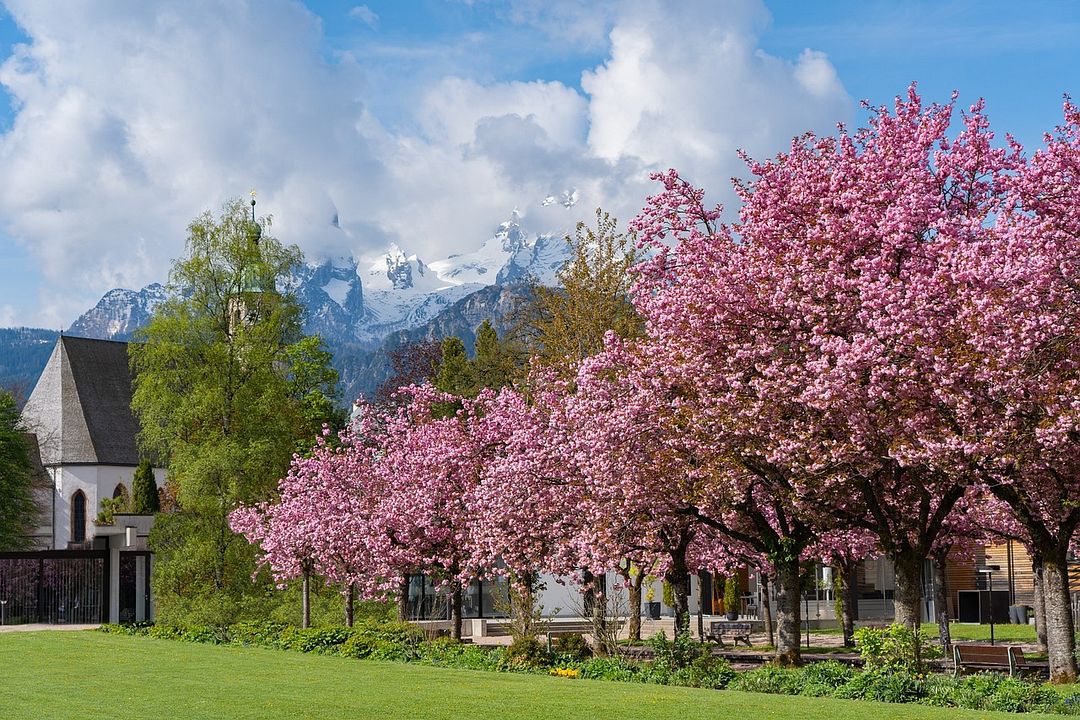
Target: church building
83	446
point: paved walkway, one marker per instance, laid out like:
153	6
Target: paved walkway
33	627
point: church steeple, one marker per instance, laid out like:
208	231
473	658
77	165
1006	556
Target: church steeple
254	280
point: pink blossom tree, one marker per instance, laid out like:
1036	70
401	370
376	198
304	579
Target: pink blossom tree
1022	308
821	328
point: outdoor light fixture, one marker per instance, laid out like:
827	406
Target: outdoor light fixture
989	571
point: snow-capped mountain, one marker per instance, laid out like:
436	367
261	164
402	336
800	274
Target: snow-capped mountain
510	255
356	302
363	300
119	313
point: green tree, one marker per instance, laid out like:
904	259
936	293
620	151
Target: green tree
494	363
18	511
454	373
565	324
144	490
225	387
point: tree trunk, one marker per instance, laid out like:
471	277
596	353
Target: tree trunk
403	601
766	609
1059	623
909	591
788	612
1040	604
455	610
846	601
305	615
634	589
941	598
679	579
350	604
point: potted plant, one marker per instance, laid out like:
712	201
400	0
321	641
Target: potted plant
731	597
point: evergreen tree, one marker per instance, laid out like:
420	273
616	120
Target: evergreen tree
144	490
494	363
225	388
17	509
454	374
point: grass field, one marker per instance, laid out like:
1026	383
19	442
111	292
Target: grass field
93	675
968	631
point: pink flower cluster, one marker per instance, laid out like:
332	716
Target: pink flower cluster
881	356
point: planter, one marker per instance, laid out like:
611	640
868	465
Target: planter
732	615
652	609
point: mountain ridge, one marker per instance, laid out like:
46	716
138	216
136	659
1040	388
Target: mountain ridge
363	306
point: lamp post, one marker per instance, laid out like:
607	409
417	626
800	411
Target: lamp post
989	571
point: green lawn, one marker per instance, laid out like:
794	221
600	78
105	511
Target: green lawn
968	631
93	675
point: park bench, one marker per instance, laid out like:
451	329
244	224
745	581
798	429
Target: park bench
738	631
555	631
989	657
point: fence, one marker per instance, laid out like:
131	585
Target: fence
57	587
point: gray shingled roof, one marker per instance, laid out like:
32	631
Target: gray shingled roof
80	408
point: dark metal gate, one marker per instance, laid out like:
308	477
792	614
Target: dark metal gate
57	587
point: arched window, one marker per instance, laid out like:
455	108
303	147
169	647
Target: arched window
78	517
120	492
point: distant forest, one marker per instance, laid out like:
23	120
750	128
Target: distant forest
23	354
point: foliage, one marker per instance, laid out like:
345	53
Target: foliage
567	324
18	512
495	361
225	387
731	594
144	490
683	661
896	648
454	375
109	508
526	653
572	647
384	641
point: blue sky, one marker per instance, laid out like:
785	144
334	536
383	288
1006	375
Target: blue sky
425	123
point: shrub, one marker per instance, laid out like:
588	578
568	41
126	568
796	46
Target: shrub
1013	695
448	652
526	653
165	632
677	653
204	634
896	648
704	672
573	647
144	490
611	668
263	633
318	640
384	641
771	679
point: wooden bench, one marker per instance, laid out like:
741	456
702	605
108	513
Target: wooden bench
556	631
989	657
739	632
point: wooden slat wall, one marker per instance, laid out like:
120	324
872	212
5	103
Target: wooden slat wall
1019	581
959	575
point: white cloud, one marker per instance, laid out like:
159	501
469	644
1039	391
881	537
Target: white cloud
688	89
131	122
365	15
